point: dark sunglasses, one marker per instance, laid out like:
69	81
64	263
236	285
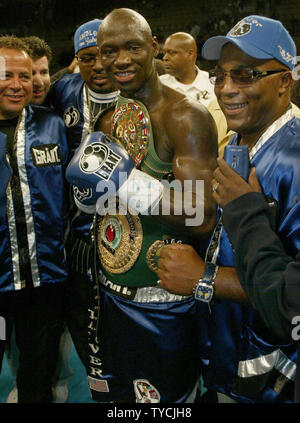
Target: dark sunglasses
243	76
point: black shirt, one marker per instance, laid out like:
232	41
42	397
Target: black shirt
270	277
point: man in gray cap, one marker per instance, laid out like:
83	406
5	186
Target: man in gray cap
244	360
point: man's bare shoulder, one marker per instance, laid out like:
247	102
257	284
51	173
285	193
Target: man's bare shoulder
178	104
185	119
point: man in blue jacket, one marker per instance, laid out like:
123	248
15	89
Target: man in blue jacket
243	360
268	274
33	267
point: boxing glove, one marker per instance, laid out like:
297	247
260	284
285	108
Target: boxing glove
5	174
102	169
85	199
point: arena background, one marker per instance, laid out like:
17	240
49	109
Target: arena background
56	22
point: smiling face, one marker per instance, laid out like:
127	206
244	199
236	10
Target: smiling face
250	109
127	53
40	79
94	76
15	82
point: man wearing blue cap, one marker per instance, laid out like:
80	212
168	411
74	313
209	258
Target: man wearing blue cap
81	98
244	361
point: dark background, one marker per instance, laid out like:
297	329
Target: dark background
57	20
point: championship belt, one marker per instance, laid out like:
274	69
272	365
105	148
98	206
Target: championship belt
131	126
152	255
119	240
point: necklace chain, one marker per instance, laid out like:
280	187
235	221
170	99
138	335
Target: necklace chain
96	109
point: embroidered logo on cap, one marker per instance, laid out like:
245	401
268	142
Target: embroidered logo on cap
243	28
87	37
285	54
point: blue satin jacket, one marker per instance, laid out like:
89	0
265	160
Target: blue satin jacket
240	357
32	237
5	174
68	97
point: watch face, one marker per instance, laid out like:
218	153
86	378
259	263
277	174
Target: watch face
204	292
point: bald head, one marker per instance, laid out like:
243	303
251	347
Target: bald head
184	40
129	19
180	55
127	50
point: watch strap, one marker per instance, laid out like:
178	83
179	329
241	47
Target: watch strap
210	272
204	289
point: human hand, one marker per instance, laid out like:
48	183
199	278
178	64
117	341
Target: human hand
72	65
229	185
179	268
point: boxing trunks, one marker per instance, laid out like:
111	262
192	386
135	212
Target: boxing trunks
143	348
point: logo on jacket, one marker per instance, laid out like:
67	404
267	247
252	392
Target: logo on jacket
82	193
145	392
99	159
71	116
46	155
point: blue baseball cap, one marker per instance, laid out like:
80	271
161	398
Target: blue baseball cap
257	36
86	35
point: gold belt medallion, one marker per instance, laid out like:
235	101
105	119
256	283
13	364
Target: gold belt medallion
130	125
119	241
153	252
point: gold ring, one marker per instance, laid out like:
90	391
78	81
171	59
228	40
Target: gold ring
215	187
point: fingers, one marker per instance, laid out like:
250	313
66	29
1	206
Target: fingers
171	249
223	176
253	181
225	169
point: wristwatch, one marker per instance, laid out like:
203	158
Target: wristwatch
204	290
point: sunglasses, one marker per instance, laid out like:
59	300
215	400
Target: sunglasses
241	77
